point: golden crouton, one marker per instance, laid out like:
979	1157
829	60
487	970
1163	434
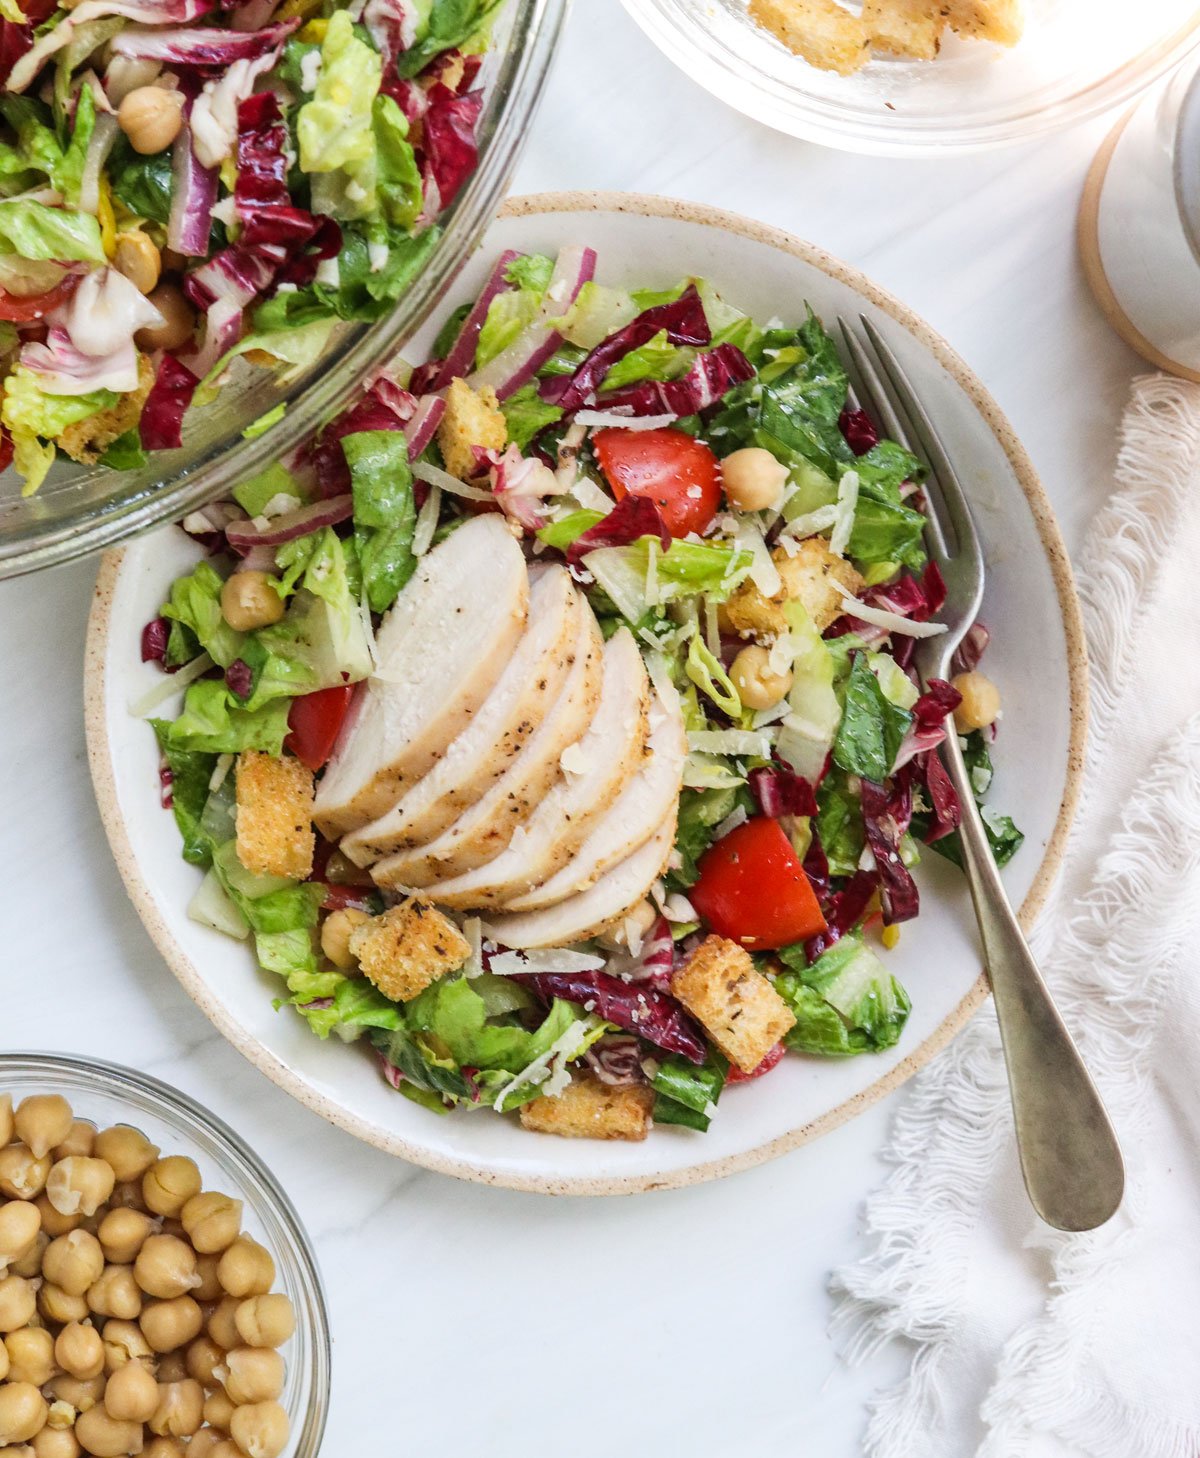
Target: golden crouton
812	575
407	948
742	1013
472	418
995	20
274	815
905	27
589	1109
819	30
87	440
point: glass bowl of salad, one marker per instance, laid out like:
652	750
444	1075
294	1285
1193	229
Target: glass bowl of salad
209	243
107	1094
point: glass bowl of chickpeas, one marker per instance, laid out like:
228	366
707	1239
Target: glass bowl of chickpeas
258	415
158	1294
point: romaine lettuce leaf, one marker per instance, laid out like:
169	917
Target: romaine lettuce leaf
214	721
527	415
33	230
839	823
872	727
385	515
850	981
445	25
334	129
195	603
190	776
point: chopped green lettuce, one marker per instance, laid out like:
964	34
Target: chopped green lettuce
334	129
814	710
444	25
385	515
214	721
191	773
846	1002
35	231
527	415
685	1093
872	727
839	824
641	576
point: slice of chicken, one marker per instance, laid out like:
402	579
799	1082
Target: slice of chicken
613	896
639	811
440	650
604	761
487	827
507	718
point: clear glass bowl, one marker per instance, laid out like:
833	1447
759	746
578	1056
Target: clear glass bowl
107	1094
1076	59
80	509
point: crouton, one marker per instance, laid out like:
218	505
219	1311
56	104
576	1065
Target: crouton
589	1109
994	20
812	575
905	27
742	1013
472	418
407	948
820	31
87	440
274	815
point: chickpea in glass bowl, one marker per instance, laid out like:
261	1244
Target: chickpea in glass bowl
158	1294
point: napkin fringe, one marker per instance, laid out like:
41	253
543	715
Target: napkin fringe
1109	953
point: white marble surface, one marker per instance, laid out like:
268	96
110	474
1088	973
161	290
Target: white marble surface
471	1320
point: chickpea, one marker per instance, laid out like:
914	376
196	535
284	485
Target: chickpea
30	1264
122	1233
6	1119
124	1342
165	1267
128	1151
127	1196
248	601
212	1221
79	1185
80	1393
42	1121
81	1139
137	257
246	1268
170	1183
758	685
253	1374
180	1409
218	1411
53	1223
22	1173
131	1395
165	1448
19	1225
151	118
79	1350
172	1366
222	1326
116	1293
265	1321
30	1355
105	1436
209	1288
55	1305
753	479
260	1430
980	701
167	1325
202	1358
18	1302
61	1415
203	1445
22	1412
335	936
3	1361
226	1448
179	320
56	1443
73	1262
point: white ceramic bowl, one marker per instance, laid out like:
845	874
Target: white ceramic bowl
1037	658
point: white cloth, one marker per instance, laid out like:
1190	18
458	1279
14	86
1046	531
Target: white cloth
1028	1343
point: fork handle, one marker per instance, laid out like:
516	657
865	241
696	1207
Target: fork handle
1069	1154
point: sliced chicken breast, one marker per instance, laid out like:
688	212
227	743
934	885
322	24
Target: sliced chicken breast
508	716
598	767
441	648
613	896
638	812
487	827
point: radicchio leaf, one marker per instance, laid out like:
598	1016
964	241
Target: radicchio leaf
449	144
633	517
711	375
198	46
928	727
858	430
781	791
971	649
161	423
885	818
154	640
644	1010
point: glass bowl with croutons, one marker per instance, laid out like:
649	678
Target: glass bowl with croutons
158	1293
915	77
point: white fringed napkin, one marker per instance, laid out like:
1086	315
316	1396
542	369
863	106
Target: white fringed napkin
1028	1343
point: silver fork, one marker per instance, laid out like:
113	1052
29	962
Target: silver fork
1070	1158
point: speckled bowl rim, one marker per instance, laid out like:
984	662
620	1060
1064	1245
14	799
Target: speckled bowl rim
103	777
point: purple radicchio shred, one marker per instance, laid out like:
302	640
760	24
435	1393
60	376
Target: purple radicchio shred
710	377
644	1010
779	790
633	517
858	430
239	678
843	910
886	815
154	641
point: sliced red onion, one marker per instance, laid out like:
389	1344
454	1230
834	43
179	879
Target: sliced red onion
147	12
424	423
259	559
246	535
193	196
462	352
103	136
520	362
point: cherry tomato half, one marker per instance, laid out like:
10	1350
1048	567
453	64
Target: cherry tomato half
313	724
771	1059
753	890
22	308
680	475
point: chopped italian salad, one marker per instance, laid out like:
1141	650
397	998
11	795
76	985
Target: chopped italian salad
183	182
549	723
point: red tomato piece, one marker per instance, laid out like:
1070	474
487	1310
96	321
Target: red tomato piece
753	890
679	474
771	1059
22	308
314	722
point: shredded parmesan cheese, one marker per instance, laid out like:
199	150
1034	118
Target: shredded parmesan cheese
435	476
172	684
893	622
847	504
